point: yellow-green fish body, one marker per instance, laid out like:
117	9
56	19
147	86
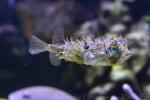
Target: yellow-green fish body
95	52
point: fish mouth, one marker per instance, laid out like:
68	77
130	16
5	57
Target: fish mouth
127	56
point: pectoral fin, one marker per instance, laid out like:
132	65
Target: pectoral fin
58	35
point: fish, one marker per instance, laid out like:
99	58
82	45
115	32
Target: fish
98	51
40	93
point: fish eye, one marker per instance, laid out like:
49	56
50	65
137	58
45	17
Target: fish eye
113	48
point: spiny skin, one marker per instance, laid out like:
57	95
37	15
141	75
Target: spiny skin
95	52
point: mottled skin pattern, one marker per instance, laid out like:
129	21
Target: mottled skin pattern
101	51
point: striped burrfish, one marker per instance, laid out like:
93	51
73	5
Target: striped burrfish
99	51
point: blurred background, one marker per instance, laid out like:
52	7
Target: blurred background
19	19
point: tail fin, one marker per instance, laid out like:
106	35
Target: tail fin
37	45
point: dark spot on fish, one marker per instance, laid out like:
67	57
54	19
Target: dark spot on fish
86	47
26	96
62	42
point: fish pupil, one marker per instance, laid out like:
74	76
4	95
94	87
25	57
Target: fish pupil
112	49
